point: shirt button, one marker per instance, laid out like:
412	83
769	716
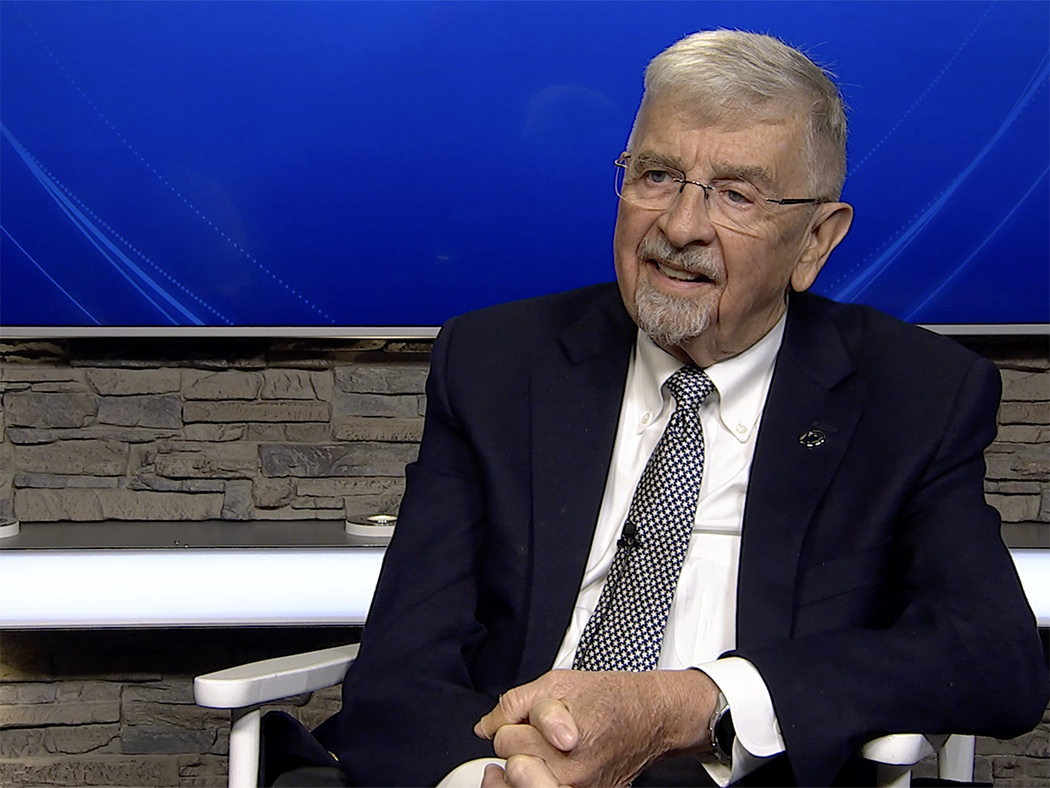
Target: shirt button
647	418
741	429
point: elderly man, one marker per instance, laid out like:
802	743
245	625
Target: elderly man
705	525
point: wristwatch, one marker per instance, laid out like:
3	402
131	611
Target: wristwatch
721	729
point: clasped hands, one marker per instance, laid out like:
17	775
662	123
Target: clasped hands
601	728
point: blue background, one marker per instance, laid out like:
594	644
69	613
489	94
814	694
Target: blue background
393	164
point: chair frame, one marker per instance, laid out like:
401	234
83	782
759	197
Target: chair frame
246	688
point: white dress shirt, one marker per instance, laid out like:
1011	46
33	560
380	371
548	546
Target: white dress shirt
701	624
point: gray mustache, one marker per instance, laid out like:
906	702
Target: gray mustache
692	259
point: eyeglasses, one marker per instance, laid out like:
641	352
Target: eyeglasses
732	203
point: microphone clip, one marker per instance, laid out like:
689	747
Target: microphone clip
629	537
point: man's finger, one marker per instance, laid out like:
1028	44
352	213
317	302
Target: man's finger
494	777
555	722
528	771
523	739
513	708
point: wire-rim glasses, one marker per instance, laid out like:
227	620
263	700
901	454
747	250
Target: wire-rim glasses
733	203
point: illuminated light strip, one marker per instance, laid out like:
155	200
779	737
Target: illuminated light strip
172	587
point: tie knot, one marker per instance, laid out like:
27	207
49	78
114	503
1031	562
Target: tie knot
690	386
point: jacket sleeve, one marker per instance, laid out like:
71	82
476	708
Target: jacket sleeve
958	651
410	701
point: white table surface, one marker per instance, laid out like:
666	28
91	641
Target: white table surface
215	579
211	575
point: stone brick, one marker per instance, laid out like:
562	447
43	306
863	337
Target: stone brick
24	435
341	459
393	430
350	485
151	410
59	481
32	505
154	739
218	433
383	405
1013	488
291	514
365	505
276	410
30	409
30	692
91	458
206	771
271	493
40	373
1023	770
1026	386
382	378
109	770
124	382
163	691
1024	413
422	348
71	740
173	715
1015	508
318	503
227	385
1022	462
29	715
237	503
93	505
1023	433
148	481
1035	744
296	384
206	460
305	432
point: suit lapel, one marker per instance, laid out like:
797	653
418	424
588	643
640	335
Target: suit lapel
811	390
575	408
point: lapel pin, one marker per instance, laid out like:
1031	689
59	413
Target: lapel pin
812	438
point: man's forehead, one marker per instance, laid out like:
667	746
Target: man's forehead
757	149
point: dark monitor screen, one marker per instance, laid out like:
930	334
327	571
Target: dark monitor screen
377	164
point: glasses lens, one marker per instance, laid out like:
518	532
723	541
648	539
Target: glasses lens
647	184
737	205
734	204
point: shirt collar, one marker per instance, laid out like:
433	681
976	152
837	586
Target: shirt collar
741	381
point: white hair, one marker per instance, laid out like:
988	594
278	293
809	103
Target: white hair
729	76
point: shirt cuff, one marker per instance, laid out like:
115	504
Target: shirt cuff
757	731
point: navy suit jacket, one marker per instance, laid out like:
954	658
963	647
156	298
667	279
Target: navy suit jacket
874	594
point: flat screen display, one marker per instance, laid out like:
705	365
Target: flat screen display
281	166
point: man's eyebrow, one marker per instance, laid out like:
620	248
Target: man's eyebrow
660	158
752	173
720	171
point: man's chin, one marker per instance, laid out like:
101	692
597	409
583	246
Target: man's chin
670	321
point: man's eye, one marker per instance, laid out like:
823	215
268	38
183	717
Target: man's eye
657	177
736	197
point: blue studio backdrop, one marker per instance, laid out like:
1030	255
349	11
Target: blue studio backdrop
305	164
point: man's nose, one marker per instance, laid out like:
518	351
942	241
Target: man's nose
688	221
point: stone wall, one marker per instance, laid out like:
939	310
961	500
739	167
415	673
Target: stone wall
288	430
175	431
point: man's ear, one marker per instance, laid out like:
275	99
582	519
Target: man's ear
827	228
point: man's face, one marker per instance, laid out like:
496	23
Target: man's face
697	287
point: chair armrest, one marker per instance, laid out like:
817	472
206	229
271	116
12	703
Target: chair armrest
272	679
902	749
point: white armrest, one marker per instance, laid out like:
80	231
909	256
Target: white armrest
272	679
902	749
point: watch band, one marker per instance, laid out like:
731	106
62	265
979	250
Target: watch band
721	730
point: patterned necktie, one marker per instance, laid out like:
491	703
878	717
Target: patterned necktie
627	628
